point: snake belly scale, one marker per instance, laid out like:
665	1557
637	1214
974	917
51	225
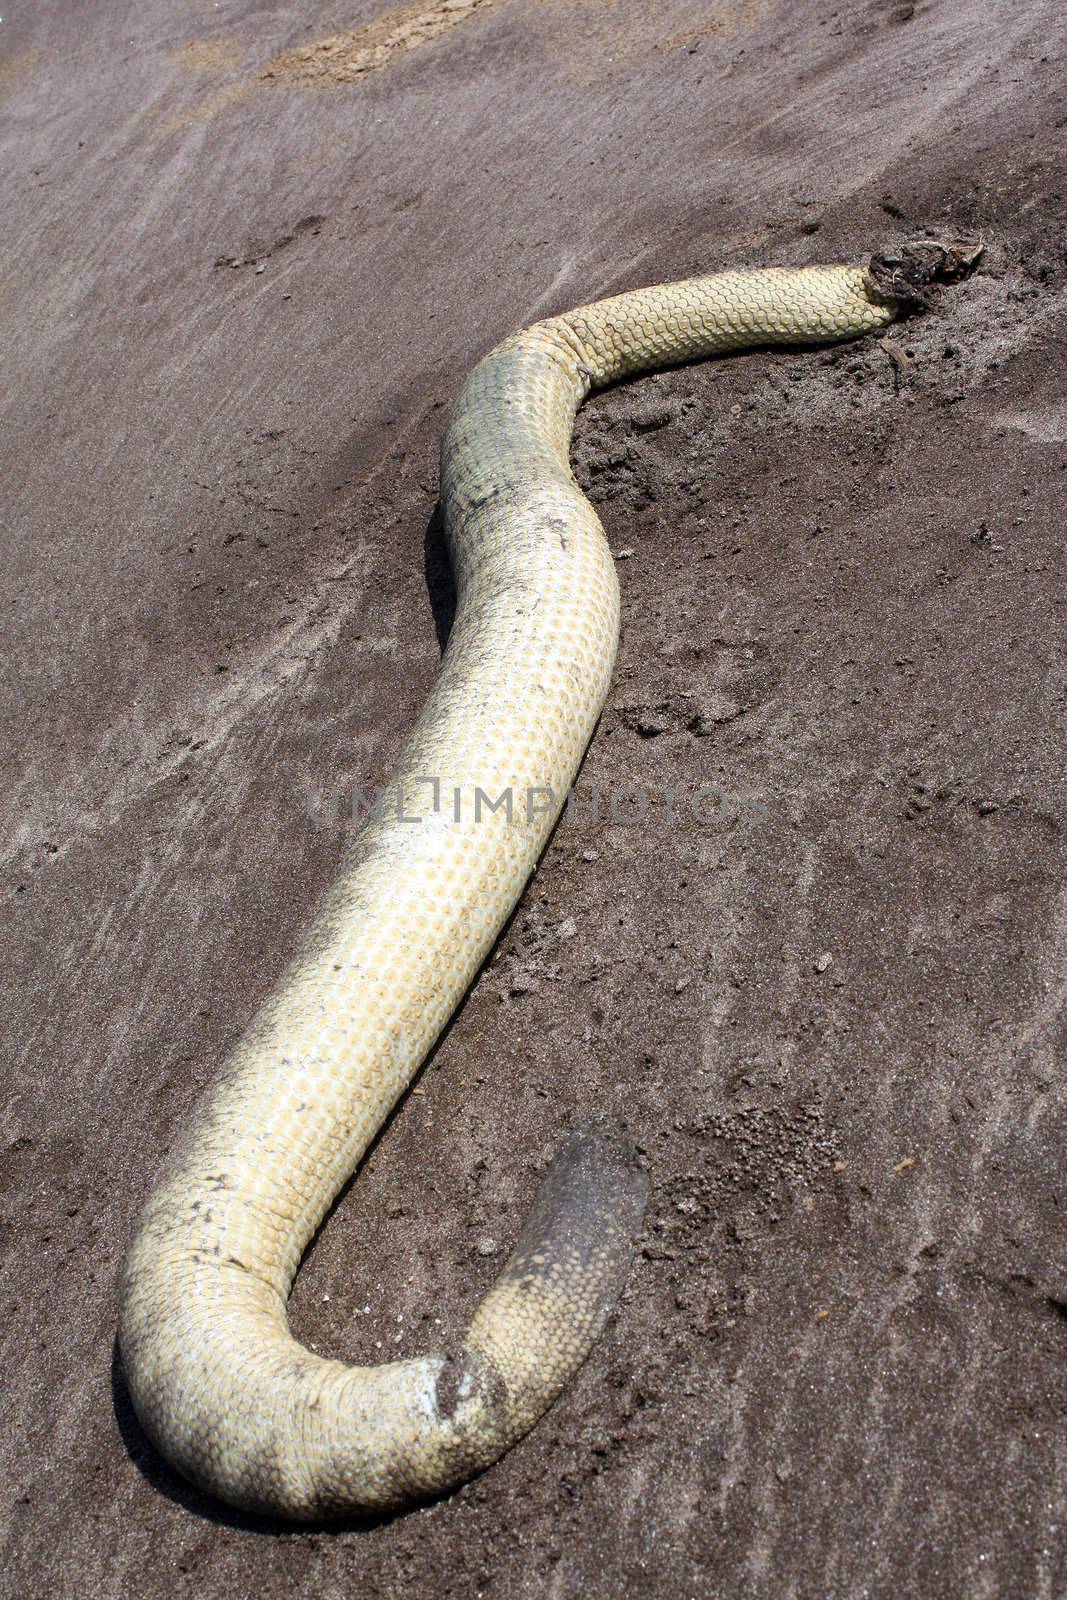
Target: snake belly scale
216	1378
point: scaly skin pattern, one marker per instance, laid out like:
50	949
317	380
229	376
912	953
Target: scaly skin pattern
216	1378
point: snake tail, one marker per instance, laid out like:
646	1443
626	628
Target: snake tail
423	889
562	1278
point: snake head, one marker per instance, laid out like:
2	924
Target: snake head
911	280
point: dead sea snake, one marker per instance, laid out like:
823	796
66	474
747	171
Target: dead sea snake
216	1378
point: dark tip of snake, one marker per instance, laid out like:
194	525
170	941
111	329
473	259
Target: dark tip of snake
590	1203
599	1138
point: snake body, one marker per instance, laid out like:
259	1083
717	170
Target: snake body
215	1376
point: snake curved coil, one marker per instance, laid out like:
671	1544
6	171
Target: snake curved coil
216	1378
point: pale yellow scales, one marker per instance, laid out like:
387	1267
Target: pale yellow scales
215	1376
